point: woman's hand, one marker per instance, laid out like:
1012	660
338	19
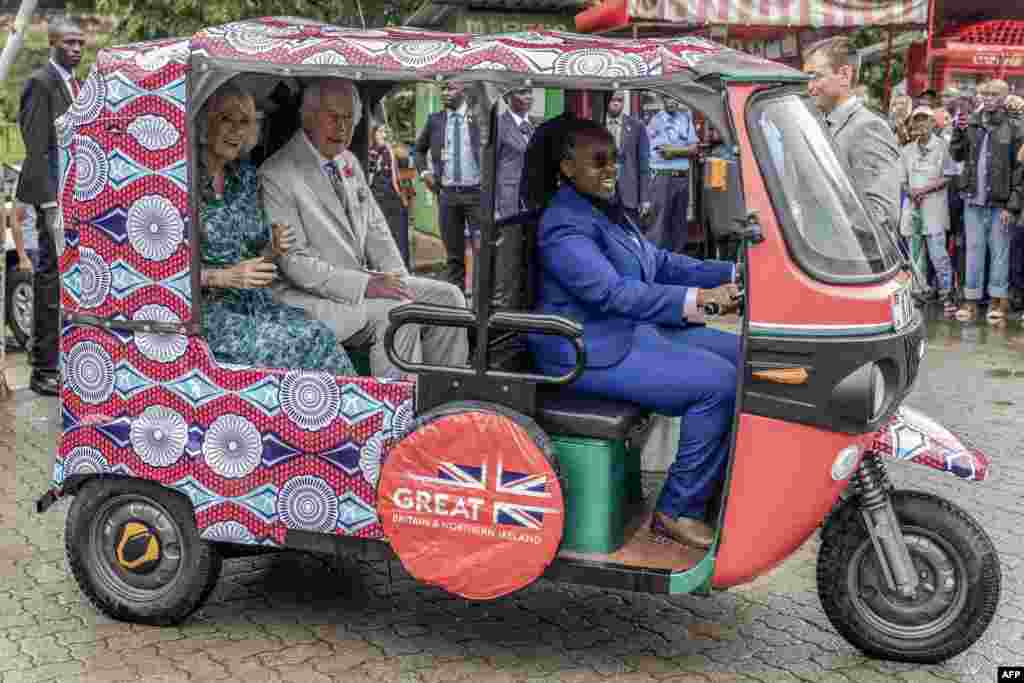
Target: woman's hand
726	297
252	273
282	239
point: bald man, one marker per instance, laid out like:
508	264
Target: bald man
346	269
48	93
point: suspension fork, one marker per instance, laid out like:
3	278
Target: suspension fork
871	488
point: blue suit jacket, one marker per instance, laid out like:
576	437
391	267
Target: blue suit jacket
609	278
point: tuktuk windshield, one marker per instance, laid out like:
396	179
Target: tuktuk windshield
825	223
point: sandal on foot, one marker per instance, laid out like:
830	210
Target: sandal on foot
965	314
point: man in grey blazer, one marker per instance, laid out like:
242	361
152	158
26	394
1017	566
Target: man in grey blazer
866	144
514	133
345	268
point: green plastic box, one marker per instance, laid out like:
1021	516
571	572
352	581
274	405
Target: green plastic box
600	481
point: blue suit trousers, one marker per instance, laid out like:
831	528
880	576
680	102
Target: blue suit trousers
683	372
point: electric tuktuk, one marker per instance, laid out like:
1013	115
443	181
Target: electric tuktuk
482	479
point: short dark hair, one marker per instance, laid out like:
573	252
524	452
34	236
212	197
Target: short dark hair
62	25
579	131
838	50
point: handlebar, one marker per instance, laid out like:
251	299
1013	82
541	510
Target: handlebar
450	316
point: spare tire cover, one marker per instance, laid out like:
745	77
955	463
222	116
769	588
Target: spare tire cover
471	503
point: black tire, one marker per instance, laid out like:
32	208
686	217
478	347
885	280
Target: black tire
946	618
159	592
18	305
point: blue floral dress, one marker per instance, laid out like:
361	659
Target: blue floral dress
246	326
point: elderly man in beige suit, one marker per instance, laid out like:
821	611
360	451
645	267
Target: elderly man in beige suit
345	268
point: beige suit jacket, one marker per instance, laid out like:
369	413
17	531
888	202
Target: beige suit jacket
334	247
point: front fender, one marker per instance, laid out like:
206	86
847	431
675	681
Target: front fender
911	435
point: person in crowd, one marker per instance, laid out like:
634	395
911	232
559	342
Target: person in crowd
514	133
927	168
1015	107
452	140
393	192
634	150
988	142
674	143
345	268
867	146
47	95
241	321
641	309
899	111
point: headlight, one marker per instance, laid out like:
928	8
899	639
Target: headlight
861	396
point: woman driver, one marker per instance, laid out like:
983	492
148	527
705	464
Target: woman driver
640	307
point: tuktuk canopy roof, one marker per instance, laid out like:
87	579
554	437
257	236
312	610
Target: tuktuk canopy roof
548	58
756	15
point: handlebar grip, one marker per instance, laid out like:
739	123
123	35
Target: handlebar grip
537	323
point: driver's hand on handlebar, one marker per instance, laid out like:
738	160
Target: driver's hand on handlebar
726	297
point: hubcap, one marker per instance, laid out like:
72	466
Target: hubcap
22	307
136	546
941	589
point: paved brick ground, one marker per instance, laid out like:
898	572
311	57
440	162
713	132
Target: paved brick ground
290	617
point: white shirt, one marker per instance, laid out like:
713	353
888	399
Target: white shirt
921	169
65	76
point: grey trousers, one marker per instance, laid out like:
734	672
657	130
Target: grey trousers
414	343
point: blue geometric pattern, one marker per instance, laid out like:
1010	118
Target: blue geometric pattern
180	284
276	451
356	405
58	474
121	91
69	421
263	395
196	388
194	445
128	381
261	501
118	431
125	280
178	174
72	281
71	238
174	92
113	224
125	170
354	514
345	457
196	492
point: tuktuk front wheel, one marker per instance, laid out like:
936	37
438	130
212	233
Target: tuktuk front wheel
135	552
958	581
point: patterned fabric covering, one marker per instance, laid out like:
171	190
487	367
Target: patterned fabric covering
247	325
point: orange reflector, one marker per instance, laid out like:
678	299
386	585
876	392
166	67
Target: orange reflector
783	376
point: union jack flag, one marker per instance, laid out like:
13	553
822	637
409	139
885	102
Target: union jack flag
514	494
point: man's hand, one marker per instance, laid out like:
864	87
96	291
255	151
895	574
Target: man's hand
727	297
1006	218
24	263
282	239
387	286
428	180
252	273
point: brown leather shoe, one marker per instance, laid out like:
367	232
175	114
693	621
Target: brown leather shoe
691	532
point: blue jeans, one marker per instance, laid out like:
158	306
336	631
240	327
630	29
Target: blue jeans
683	372
937	254
985	231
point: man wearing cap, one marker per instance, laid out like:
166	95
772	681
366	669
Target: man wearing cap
927	168
673	144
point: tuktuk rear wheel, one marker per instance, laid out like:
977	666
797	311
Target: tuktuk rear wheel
958	572
135	552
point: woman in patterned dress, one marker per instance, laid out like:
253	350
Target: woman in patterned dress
241	322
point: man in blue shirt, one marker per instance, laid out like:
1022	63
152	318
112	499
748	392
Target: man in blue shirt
673	143
451	139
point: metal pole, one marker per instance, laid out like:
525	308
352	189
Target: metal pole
888	72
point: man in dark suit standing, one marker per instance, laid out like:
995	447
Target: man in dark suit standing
634	150
514	133
48	93
452	138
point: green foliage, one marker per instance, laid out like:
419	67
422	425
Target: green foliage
873	75
149	19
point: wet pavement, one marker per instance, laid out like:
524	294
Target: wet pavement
294	617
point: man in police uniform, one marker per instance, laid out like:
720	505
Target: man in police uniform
673	144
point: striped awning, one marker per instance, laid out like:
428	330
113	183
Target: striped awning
778	14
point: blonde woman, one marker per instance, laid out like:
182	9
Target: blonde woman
241	322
